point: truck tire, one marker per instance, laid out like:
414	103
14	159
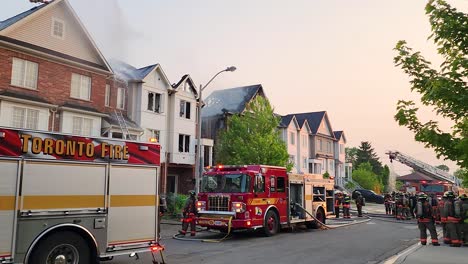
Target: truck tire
320	215
271	223
62	247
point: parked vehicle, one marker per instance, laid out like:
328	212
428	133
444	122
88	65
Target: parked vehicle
262	197
370	196
65	198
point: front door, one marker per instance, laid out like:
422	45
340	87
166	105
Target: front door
8	181
172	181
278	195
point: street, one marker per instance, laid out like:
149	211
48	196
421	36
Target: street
370	242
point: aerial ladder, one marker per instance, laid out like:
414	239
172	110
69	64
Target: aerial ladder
422	167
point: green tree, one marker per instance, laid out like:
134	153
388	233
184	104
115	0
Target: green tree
385	177
443	167
365	177
253	138
462	174
365	153
444	89
351	155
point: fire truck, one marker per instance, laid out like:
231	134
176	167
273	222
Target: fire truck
71	199
262	197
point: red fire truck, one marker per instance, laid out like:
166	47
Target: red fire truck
260	196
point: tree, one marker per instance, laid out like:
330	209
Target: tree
443	167
462	174
366	153
367	178
253	138
444	89
385	177
351	155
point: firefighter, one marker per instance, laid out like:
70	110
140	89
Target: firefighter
406	207
413	200
452	209
425	217
346	205
388	204
399	206
338	202
464	223
360	202
443	217
189	213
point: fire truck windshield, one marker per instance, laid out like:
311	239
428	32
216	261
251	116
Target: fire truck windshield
226	183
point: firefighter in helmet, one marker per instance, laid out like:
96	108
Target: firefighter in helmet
338	203
452	208
346	205
425	217
388	203
360	202
464	223
443	217
189	213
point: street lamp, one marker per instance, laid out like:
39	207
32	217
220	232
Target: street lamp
199	158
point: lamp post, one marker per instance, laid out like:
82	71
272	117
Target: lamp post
198	157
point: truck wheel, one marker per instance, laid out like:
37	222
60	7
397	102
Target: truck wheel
320	215
271	224
62	248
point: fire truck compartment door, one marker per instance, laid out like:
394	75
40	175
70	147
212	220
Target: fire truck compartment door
133	203
8	180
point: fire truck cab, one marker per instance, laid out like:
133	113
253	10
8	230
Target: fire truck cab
261	196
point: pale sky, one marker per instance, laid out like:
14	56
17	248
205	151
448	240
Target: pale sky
309	55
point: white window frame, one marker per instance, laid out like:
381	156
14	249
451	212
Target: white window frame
306	163
81	122
120	98
27	77
304	140
29	118
292	139
319	144
183	111
329	147
107	96
52	32
292	159
185	143
153	107
80	95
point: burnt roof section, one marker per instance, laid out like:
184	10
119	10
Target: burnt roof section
415	176
113	121
127	72
233	100
12	20
286	120
24	97
338	134
313	118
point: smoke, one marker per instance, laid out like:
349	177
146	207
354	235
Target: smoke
108	26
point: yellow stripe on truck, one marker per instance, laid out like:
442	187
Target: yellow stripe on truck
132	200
62	201
263	201
7	203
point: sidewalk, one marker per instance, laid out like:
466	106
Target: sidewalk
419	254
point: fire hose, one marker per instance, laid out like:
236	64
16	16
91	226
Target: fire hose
208	240
322	225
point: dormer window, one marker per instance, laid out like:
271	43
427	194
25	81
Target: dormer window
58	28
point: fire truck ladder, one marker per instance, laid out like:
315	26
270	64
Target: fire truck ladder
122	124
422	167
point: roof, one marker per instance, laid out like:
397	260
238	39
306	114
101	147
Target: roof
128	72
233	100
113	121
24	96
313	118
415	176
286	120
338	134
81	107
12	20
186	78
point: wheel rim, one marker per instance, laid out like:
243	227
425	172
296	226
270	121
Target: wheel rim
63	254
320	216
271	224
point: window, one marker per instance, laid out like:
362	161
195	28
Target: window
259	183
291	138
58	28
185	109
341	148
153	134
305	163
184	143
331	166
80	87
24	73
25	118
280	184
319	144
155	102
292	159
329	148
304	140
272	184
82	126
121	98
107	96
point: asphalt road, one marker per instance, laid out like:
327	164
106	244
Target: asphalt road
370	242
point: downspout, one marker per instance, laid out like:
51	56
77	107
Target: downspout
54	111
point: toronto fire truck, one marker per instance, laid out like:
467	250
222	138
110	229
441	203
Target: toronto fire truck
71	199
260	196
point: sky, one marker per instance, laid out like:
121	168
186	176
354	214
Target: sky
309	55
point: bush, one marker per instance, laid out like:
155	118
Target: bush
326	175
175	203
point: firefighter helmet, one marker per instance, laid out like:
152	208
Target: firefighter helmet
191	193
449	194
422	196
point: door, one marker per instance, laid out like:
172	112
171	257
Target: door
172	182
8	182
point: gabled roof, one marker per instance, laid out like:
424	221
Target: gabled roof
415	176
129	73
6	26
313	118
186	78
233	100
338	134
285	120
